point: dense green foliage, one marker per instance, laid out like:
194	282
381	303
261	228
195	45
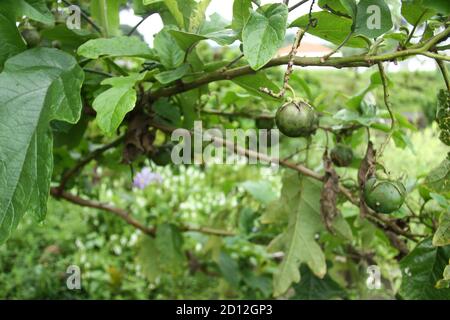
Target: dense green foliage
87	177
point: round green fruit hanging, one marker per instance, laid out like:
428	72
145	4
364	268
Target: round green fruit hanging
341	155
31	37
384	196
296	119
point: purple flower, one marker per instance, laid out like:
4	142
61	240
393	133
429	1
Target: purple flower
145	178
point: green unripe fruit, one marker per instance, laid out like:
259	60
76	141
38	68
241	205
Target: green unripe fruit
384	196
162	157
296	119
443	112
264	123
31	37
445	137
341	155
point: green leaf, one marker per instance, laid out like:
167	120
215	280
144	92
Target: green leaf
421	269
36	10
167	111
314	288
351	7
298	241
12	42
241	13
444	283
170	76
333	4
260	190
113	104
68	38
187	40
198	16
173	6
147	258
229	268
116	47
264	34
169	52
331	27
415	13
350	116
36	87
253	84
106	14
442	236
373	18
169	242
441	6
438	180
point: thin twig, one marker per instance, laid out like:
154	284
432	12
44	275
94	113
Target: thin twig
80	165
347	38
385	82
138	24
295	6
102	73
126	216
444	72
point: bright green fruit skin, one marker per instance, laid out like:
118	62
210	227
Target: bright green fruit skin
296	119
341	155
384	196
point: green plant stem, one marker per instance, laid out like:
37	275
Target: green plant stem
444	72
344	62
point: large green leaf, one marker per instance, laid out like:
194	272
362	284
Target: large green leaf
11	42
298	241
169	52
229	268
241	13
106	14
373	18
116	47
36	87
176	11
148	258
415	12
438	180
422	269
113	104
33	9
167	77
264	34
169	242
314	288
331	27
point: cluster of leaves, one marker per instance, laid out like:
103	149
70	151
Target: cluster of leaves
96	83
